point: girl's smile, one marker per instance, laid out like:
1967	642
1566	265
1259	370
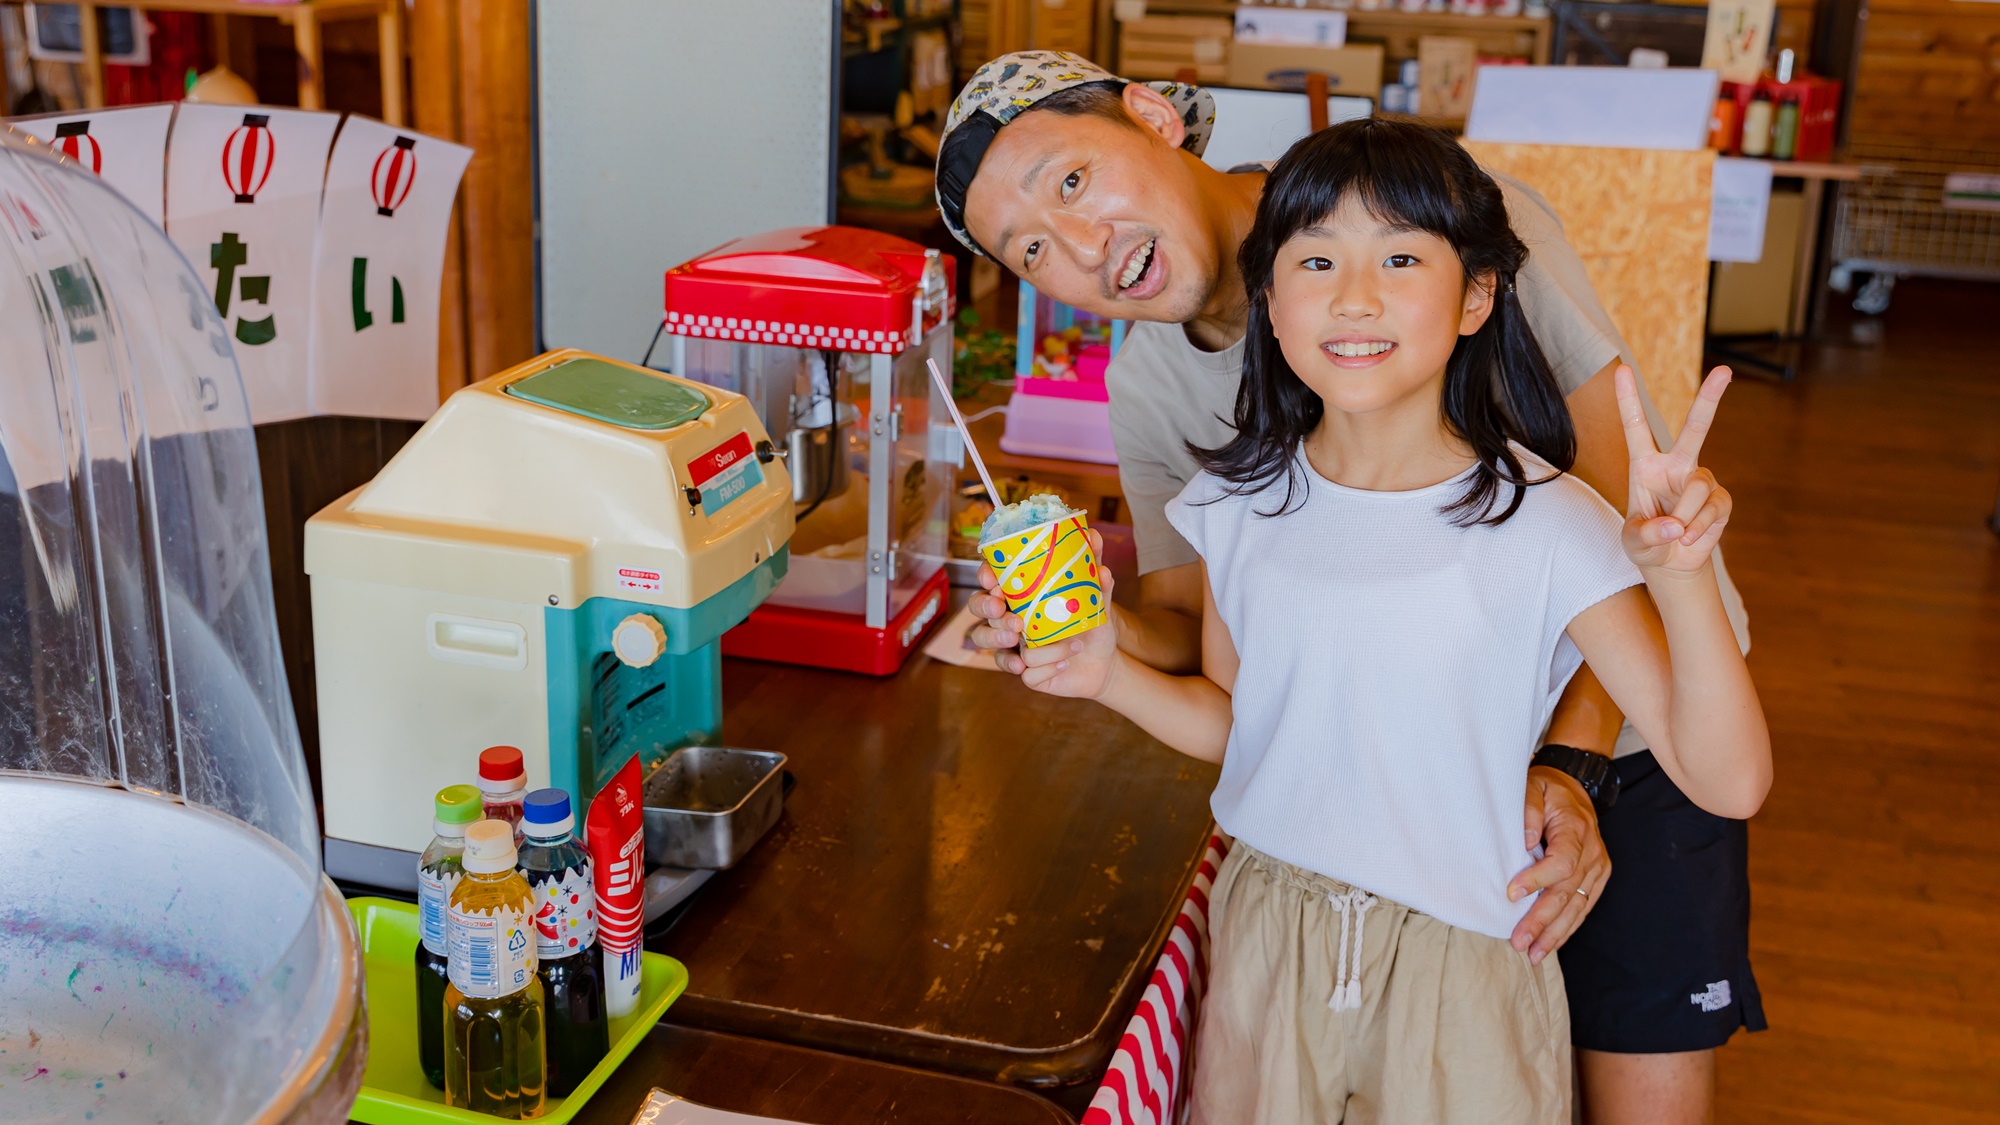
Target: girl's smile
1353	349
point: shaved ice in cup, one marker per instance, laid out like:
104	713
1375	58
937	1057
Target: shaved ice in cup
1024	515
1047	571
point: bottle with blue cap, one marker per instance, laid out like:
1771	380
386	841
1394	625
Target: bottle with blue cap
557	868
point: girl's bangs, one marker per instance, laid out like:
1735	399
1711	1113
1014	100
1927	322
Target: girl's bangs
1398	178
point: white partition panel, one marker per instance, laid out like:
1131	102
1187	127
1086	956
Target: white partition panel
665	128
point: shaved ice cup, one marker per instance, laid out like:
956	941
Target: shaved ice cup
1048	575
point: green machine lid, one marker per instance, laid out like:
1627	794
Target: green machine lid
608	392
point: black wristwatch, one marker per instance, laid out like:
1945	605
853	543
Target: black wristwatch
1592	771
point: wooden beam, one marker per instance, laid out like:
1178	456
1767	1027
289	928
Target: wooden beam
434	58
312	77
93	56
389	26
494	67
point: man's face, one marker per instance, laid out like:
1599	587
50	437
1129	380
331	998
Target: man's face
1102	216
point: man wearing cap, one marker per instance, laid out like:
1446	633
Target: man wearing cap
1092	190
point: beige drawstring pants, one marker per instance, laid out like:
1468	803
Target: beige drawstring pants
1328	1004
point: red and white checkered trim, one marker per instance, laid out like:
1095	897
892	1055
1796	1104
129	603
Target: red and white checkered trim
824	336
1147	1083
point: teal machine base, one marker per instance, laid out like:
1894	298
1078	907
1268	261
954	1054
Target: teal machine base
602	711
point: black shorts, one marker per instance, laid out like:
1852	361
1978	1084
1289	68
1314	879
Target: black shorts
1663	962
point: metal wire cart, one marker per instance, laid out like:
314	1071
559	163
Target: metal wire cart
1922	208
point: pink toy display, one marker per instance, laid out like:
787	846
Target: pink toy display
1060	407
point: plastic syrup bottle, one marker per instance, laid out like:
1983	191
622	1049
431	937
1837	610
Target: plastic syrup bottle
1785	123
437	873
494	1053
1757	124
504	781
558	871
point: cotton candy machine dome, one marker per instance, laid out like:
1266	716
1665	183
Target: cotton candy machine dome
169	951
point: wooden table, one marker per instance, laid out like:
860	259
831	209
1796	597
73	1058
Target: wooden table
1814	176
969	877
795	1084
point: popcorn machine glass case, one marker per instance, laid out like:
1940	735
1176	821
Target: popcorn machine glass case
826	330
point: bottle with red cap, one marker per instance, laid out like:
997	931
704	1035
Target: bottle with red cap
503	785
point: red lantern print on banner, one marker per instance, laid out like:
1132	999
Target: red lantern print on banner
73	140
395	172
246	157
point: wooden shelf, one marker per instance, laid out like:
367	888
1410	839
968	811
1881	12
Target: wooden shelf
304	18
1496	35
1452	20
1814	170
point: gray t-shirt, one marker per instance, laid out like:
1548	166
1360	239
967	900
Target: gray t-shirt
1166	392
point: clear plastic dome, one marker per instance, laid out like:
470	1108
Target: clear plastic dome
178	946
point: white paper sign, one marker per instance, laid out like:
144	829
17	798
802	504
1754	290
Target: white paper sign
243	196
1738	39
378	268
126	148
1600	106
1972	191
1741	200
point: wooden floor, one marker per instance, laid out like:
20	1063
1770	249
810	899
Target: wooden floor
1860	545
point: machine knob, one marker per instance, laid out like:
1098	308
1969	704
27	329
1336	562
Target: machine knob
767	453
639	640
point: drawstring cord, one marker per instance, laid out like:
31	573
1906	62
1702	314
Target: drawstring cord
1354	906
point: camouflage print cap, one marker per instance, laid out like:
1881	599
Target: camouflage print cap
1003	89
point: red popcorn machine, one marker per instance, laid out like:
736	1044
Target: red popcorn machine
826	330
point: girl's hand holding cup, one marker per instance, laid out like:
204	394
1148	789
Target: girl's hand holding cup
1043	583
1079	668
1674	511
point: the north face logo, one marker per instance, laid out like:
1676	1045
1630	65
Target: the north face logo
1714	999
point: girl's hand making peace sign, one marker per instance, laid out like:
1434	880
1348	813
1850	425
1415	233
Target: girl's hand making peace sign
1675	512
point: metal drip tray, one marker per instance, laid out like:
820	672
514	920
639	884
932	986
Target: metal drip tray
706	806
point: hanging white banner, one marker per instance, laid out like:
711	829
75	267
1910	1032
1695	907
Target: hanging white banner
243	198
378	270
126	148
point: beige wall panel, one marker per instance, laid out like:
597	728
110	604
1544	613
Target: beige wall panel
1639	219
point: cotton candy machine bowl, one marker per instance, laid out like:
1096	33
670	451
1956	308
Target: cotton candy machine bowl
161	962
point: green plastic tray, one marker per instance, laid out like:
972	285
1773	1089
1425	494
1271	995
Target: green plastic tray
394	1091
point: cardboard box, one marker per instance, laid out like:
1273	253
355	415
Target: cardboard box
1159	47
1273	66
1756	297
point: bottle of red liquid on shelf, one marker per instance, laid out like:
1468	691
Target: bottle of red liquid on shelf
503	785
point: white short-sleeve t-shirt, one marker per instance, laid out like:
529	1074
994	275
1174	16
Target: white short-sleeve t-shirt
1166	392
1396	673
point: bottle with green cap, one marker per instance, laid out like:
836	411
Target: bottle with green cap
495	1052
437	873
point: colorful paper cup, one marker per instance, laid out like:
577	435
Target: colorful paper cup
1048	575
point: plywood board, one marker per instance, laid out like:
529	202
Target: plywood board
1639	220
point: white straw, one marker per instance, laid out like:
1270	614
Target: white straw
992	493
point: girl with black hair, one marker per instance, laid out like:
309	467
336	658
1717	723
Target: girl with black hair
1401	578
